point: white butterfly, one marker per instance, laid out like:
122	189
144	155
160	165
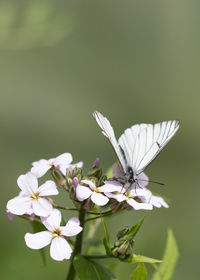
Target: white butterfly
139	145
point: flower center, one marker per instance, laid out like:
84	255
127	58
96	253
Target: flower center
35	195
96	190
56	233
128	194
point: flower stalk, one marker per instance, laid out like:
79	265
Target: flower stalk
78	245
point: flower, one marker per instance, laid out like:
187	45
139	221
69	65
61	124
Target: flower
61	162
31	199
135	195
91	191
158	201
138	198
56	235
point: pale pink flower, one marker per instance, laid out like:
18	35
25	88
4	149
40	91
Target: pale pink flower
158	202
89	190
55	235
31	199
62	162
137	198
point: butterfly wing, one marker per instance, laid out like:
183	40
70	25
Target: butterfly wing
142	143
108	131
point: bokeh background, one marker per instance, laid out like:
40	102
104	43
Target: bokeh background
135	61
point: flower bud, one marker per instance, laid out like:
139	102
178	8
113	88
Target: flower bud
69	181
96	163
75	182
123	247
122	232
58	176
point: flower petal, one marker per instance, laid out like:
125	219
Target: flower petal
99	199
60	249
19	205
40	167
53	221
119	196
38	240
141	192
139	206
78	164
158	202
63	159
41	207
72	227
142	180
111	186
118	173
89	183
82	193
28	183
48	188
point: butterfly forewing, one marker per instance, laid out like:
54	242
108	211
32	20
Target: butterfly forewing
139	145
147	143
108	131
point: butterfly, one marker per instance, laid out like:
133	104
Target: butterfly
139	145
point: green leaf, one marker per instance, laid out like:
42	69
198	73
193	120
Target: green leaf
140	273
106	239
109	173
138	258
90	270
36	228
96	247
132	232
166	269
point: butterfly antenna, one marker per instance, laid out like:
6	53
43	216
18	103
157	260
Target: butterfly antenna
155	182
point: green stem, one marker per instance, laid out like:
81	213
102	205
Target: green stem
78	245
97	256
100	213
98	217
64	208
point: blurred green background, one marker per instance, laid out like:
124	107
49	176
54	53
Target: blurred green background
135	61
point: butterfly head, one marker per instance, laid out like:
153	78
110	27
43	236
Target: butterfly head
130	175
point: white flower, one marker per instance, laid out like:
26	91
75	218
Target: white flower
56	235
31	198
62	162
138	198
84	192
158	201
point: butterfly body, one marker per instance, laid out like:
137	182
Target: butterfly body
139	145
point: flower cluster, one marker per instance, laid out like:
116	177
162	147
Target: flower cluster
33	200
134	195
94	189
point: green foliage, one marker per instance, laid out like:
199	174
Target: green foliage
140	273
138	258
132	232
96	247
37	227
90	270
166	269
109	173
106	239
